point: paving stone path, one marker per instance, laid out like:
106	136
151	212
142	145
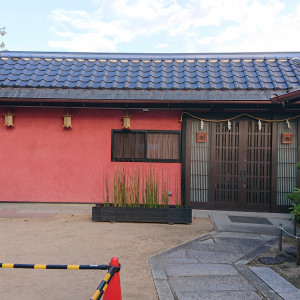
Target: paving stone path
214	267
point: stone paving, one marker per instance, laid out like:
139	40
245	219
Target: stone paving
214	267
282	287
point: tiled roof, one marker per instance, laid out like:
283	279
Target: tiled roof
150	72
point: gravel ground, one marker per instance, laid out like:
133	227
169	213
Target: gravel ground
75	239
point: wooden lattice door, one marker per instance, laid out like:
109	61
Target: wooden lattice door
241	166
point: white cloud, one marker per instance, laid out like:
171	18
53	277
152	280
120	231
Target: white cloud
190	26
161	45
91	42
262	29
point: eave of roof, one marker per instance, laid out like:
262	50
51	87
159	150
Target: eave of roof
292	96
106	95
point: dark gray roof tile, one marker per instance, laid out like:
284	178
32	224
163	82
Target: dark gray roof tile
293	79
180	80
34	83
274	69
192	80
271	85
256	85
279	79
19	82
162	71
70	84
286	68
237	69
277	73
289	73
204	86
193	86
250	69
241	80
239	74
58	84
282	85
84	85
216	80
228	80
118	85
140	85
253	79
129	85
46	84
266	79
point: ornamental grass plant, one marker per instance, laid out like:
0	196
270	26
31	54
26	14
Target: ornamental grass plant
139	188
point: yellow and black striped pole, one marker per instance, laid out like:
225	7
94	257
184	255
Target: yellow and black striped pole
103	284
113	268
54	267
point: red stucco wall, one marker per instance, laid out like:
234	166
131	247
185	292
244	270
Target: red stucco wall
40	161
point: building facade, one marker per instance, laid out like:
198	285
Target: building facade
219	131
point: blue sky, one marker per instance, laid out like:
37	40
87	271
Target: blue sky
151	25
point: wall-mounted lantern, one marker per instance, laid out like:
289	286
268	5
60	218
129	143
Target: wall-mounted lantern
67	121
8	120
126	122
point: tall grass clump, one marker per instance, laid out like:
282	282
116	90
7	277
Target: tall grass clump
106	190
150	189
177	199
120	188
139	188
164	191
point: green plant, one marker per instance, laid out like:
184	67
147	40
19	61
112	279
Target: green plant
295	198
164	192
120	190
107	189
136	188
151	189
2	33
139	188
177	201
295	211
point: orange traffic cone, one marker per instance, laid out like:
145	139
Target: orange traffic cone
113	291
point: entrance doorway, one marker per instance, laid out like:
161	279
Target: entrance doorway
241	165
230	168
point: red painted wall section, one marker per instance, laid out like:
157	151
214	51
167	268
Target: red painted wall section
40	161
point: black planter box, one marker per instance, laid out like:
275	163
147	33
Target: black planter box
171	215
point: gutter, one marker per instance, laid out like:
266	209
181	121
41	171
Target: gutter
59	100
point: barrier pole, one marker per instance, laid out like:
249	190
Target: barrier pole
298	250
280	237
113	291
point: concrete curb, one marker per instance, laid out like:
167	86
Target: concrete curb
160	280
259	284
256	281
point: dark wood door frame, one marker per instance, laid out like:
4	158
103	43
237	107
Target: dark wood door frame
186	167
186	178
